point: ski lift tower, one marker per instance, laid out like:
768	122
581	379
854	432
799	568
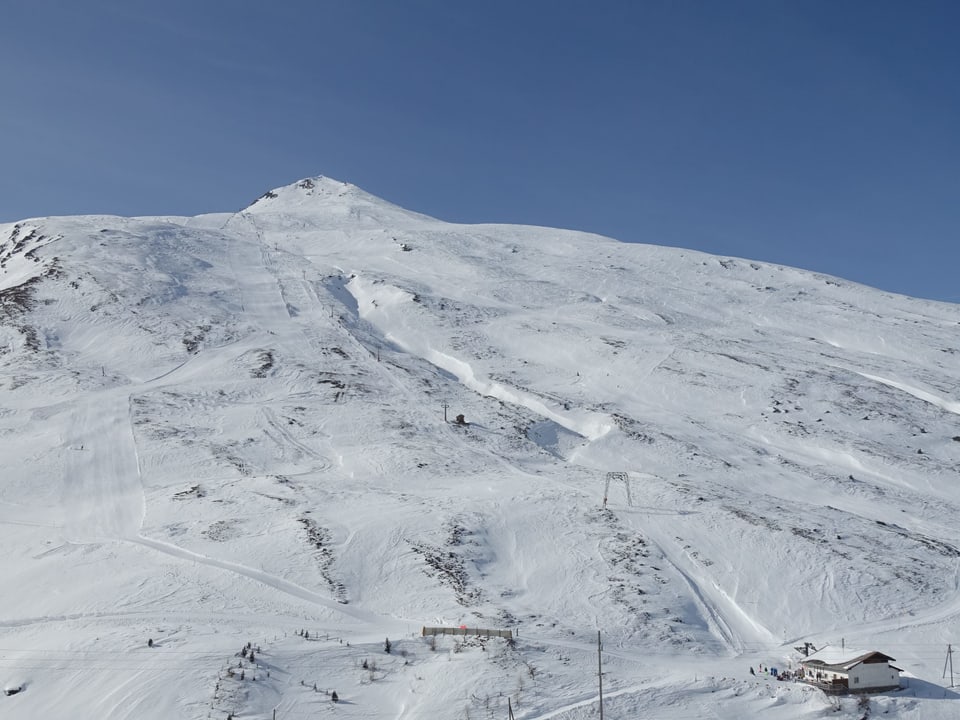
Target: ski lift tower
617	477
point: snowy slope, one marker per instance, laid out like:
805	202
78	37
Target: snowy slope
231	429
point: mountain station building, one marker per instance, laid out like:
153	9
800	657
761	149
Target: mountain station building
839	670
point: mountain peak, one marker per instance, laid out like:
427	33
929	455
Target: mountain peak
325	197
303	191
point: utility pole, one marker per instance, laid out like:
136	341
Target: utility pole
600	671
805	650
949	660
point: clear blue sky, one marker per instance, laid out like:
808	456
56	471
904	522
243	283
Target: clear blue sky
821	134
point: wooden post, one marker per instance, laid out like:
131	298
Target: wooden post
949	660
600	672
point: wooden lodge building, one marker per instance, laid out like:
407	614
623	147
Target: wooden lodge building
841	671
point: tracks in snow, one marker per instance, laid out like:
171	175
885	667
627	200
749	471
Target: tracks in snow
102	498
284	586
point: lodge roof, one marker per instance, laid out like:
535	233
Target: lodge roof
843	659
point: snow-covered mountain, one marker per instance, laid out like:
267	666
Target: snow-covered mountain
240	428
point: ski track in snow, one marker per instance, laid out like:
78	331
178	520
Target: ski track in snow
279	584
735	627
102	497
285	437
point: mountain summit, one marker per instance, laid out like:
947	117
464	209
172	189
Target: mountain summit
242	450
322	199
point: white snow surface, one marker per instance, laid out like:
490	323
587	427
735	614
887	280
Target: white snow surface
239	428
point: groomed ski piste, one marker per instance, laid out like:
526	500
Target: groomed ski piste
236	432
